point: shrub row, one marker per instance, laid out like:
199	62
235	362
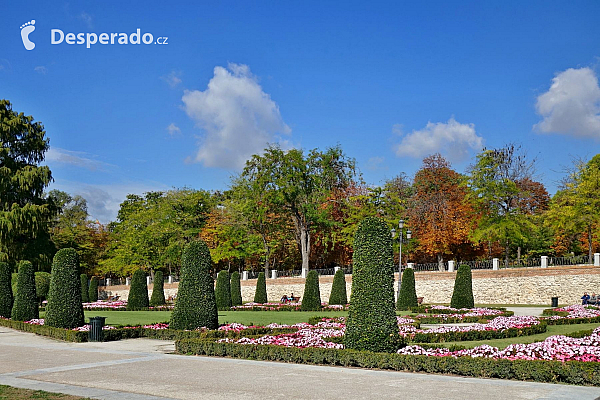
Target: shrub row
455	320
478	335
571	372
429	310
573	321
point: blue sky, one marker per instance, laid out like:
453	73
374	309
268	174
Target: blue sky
391	82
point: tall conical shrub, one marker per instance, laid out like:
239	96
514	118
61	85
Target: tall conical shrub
260	296
14	278
42	285
138	292
93	292
462	296
195	306
158	290
6	295
64	308
338	295
85	290
371	323
311	298
25	306
236	289
408	294
223	291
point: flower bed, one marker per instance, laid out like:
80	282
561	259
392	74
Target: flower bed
283	307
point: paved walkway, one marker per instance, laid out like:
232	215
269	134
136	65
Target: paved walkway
140	369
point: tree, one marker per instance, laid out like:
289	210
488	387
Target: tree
6	295
138	292
158	291
223	291
236	289
260	295
372	321
462	296
42	285
93	293
338	293
65	309
24	213
85	290
408	293
195	306
311	299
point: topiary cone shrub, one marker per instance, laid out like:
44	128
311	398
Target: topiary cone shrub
311	299
338	289
236	289
25	306
223	291
408	294
371	323
42	285
93	292
158	290
85	290
13	282
195	306
260	296
462	296
138	292
64	309
6	295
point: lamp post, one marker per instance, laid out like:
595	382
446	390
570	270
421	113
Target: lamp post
401	240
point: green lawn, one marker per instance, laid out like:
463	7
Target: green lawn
12	393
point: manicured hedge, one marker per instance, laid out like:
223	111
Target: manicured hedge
14	278
462	296
93	293
42	285
311	299
223	291
236	289
571	372
6	295
138	292
371	323
25	305
260	295
338	295
408	294
64	309
477	335
85	289
158	290
195	306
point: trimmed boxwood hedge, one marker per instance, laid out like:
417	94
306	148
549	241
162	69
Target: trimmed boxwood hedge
42	285
339	295
260	296
371	321
311	299
93	292
223	291
195	306
6	295
85	289
462	296
14	278
158	290
236	289
138	292
64	309
478	335
408	294
25	306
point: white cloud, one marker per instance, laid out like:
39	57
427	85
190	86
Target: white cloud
375	163
238	118
87	18
173	78
173	129
41	70
571	105
76	158
452	139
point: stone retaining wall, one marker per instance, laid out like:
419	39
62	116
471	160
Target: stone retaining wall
505	286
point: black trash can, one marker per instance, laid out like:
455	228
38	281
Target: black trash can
554	302
96	324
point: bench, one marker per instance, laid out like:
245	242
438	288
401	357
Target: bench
420	300
292	300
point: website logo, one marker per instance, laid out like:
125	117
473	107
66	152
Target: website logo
26	29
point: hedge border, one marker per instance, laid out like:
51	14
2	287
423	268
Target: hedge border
477	335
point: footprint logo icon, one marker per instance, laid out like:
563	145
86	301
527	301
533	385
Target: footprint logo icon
26	29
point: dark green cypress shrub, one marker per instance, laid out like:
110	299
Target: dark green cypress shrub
158	290
338	289
408	294
372	323
93	293
6	295
195	306
462	296
85	290
311	299
236	289
260	296
25	306
223	291
138	292
64	308
13	283
42	285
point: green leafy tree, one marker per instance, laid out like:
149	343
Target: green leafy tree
42	285
408	294
338	294
93	293
25	306
311	299
138	292
462	296
195	306
64	309
372	321
260	295
236	289
85	290
158	290
223	291
6	295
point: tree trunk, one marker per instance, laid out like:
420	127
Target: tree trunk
267	255
590	255
519	255
303	238
506	250
440	259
